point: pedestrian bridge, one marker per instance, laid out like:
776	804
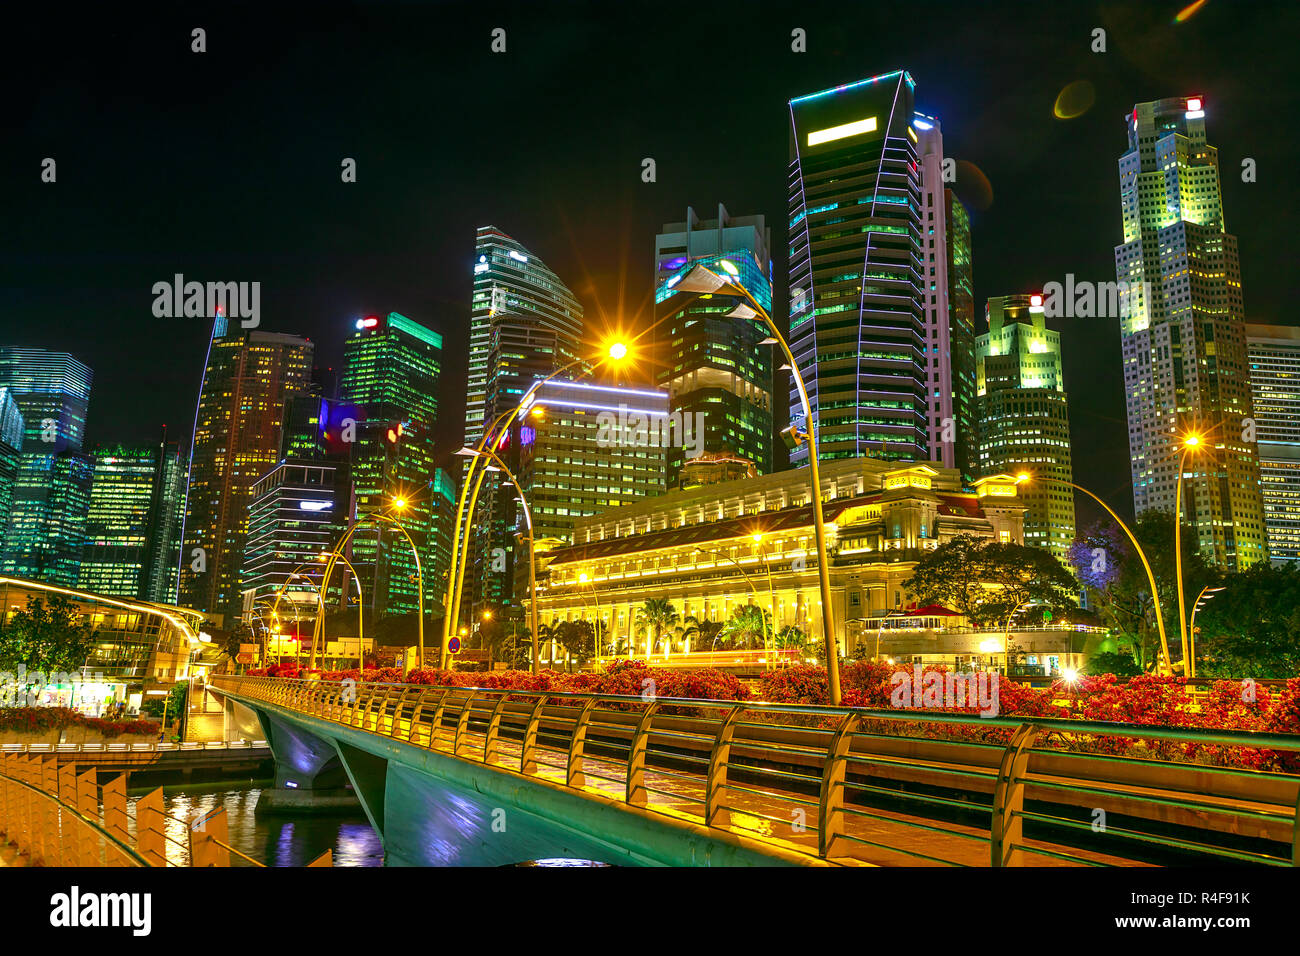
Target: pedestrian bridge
471	776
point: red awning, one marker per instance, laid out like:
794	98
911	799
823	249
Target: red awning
933	610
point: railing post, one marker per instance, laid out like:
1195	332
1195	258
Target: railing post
494	728
51	840
1009	799
636	793
415	714
435	722
573	775
462	723
88	804
149	828
115	819
206	835
716	783
830	806
401	705
528	754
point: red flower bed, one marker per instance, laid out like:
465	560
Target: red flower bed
35	720
1145	700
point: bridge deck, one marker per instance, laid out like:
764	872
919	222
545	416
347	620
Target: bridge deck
897	790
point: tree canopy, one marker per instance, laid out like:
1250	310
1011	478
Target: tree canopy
47	636
987	580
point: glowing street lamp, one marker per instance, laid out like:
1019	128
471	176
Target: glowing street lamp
703	281
1190	444
1151	578
615	353
1207	594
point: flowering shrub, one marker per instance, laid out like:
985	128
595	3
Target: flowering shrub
1144	700
38	719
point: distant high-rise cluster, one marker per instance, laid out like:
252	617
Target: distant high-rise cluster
287	459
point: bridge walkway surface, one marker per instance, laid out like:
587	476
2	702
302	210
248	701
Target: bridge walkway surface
842	786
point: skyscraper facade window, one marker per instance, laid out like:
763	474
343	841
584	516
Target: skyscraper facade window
133	523
392	367
51	487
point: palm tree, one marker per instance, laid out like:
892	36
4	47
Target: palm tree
655	615
748	626
546	633
688	629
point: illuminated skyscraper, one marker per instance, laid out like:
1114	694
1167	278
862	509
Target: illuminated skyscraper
249	377
133	523
1275	386
524	324
1024	422
595	446
1183	335
392	366
718	378
11	452
858	242
51	488
510	280
961	343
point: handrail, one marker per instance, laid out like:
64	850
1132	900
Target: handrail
762	769
11	814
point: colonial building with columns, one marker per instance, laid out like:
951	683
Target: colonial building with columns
713	548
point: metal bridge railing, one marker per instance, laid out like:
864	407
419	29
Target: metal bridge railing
54	816
853	785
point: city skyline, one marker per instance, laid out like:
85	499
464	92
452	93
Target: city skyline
984	117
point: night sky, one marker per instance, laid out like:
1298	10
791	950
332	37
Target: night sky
225	166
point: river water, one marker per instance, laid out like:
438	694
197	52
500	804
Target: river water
276	839
273	839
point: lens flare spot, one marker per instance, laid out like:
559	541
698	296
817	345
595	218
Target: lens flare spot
1075	100
972	186
1189	11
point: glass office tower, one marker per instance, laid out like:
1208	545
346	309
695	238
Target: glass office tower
718	378
1024	421
857	312
392	365
51	486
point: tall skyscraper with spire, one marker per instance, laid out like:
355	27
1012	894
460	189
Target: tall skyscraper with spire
1183	334
249	376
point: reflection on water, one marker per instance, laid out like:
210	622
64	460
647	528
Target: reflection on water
275	840
561	861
